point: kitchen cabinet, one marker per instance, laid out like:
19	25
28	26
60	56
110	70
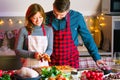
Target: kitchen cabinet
10	63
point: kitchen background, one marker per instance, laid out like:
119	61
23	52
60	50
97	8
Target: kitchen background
12	18
12	14
18	7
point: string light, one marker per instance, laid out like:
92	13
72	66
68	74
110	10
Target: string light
102	24
95	24
1	22
20	21
10	21
96	30
89	21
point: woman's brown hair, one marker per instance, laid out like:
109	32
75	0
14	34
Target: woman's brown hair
31	11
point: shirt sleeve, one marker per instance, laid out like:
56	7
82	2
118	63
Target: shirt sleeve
50	41
20	51
87	38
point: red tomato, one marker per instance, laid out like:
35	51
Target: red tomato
88	74
11	72
92	73
1	72
101	74
61	78
98	79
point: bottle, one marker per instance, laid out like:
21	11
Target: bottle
74	75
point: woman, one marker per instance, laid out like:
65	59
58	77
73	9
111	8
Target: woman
35	42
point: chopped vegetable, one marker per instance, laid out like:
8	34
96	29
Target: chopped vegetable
5	77
50	72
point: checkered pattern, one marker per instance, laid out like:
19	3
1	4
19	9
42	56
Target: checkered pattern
88	62
108	60
64	50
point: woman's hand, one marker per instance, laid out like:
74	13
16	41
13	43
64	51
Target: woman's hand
46	57
37	55
41	57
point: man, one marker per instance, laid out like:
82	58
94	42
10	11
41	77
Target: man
67	25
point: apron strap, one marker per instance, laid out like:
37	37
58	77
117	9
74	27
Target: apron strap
29	32
43	29
68	20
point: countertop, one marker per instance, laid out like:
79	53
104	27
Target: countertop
84	53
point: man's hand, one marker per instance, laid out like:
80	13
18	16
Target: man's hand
100	62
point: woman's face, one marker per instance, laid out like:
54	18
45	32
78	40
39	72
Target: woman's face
37	19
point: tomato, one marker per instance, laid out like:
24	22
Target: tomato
93	73
88	74
98	79
1	72
101	74
61	79
11	72
51	78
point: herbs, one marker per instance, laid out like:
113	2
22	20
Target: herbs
5	77
50	72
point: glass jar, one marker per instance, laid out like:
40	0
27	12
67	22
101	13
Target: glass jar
74	75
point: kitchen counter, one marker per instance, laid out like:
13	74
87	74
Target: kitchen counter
86	61
84	53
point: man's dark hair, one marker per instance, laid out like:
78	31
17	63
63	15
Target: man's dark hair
61	5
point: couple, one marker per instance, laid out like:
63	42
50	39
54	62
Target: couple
53	37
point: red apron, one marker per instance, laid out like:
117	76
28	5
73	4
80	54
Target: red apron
64	50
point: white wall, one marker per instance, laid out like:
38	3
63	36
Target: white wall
19	7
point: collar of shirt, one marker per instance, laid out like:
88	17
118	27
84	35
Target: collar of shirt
59	24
